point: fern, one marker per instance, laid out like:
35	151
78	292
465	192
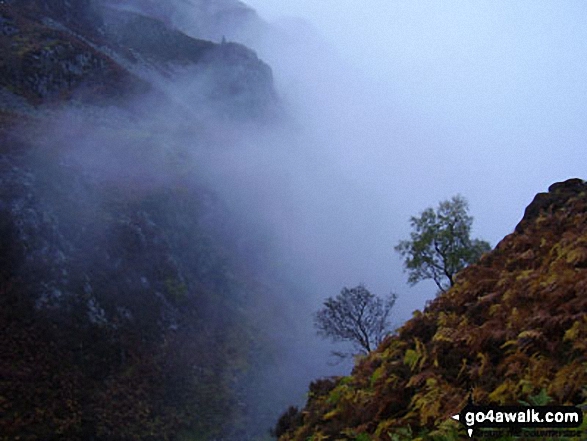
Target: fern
540	399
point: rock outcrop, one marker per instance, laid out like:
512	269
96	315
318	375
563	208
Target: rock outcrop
59	50
124	288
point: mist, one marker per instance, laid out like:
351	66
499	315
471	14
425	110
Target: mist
391	108
413	103
383	111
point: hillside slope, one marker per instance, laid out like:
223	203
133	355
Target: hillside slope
57	51
513	325
129	291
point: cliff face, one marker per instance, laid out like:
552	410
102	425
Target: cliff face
515	324
43	60
125	283
59	50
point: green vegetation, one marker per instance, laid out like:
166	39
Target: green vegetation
511	330
440	245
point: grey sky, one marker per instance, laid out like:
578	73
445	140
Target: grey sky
430	99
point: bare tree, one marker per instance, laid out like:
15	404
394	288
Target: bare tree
356	316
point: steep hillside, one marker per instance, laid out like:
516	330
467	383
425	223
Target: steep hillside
84	51
128	290
42	61
124	315
515	324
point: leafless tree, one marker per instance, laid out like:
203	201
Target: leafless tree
355	316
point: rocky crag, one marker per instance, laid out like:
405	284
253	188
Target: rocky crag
125	290
57	50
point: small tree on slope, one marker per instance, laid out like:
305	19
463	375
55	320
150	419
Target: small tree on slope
355	316
440	244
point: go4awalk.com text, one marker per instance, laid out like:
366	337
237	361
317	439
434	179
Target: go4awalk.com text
519	417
